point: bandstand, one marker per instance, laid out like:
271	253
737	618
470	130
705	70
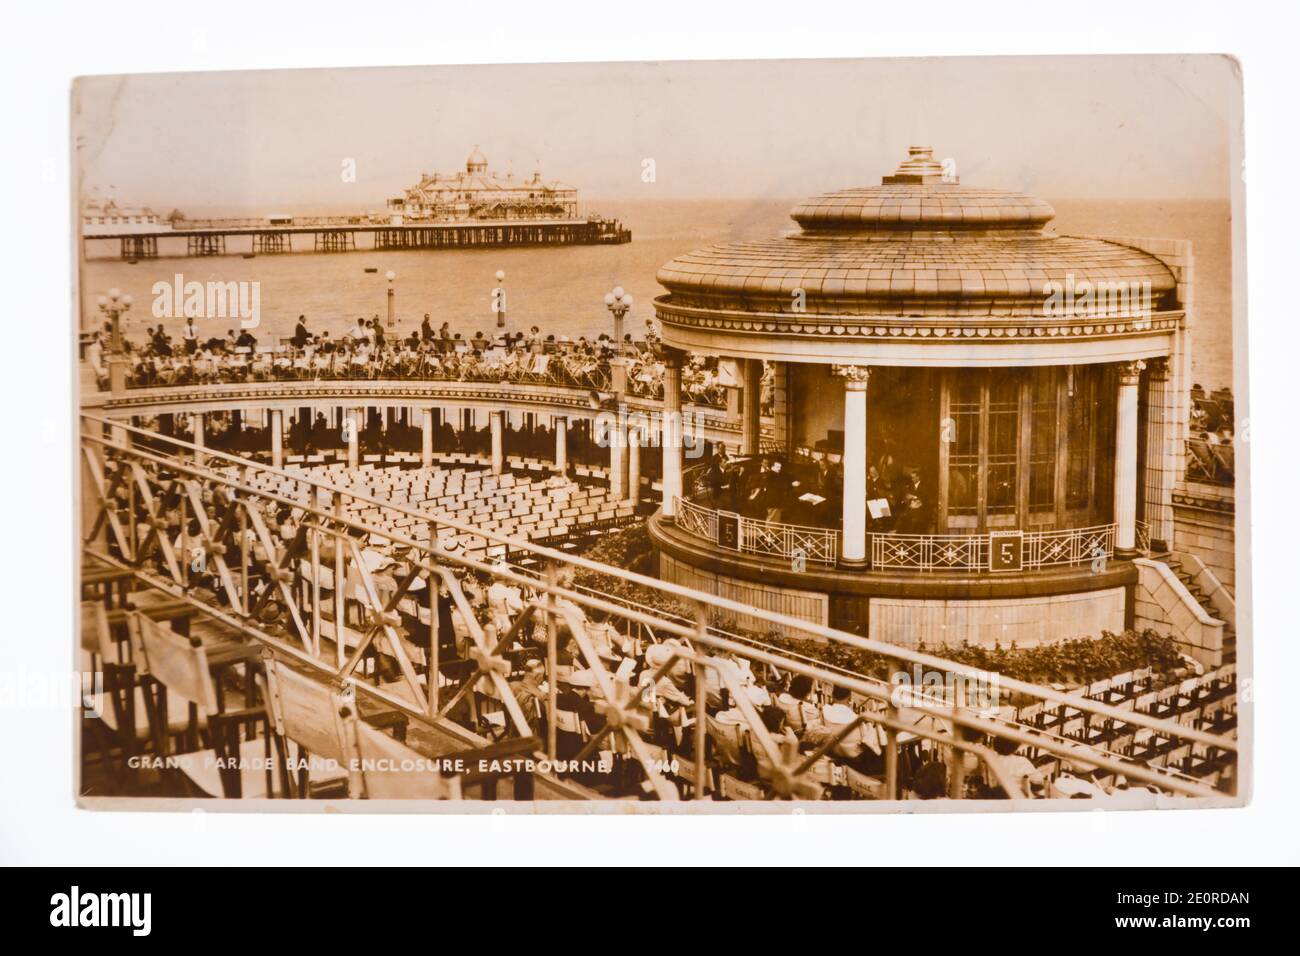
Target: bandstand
1015	398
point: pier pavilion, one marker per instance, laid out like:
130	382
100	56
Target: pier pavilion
1029	389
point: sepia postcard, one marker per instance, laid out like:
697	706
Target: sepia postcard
663	437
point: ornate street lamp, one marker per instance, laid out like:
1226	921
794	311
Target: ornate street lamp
391	275
619	304
114	306
499	299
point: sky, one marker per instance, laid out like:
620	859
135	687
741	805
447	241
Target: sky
1062	127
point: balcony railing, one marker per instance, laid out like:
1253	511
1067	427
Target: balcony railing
1009	551
1012	551
727	529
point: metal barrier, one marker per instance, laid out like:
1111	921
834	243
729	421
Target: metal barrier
896	552
974	552
751	536
270	587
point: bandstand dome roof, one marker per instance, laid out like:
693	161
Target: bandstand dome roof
920	243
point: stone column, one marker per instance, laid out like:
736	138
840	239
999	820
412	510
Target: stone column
277	438
561	425
352	421
781	410
1126	439
1159	476
200	439
751	407
671	434
426	438
853	532
634	465
616	437
497	424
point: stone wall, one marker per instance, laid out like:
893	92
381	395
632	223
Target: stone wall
1205	525
1026	621
1163	604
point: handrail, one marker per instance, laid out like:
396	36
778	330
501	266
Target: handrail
430	556
908	552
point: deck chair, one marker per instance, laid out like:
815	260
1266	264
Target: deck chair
394	782
309	714
218	750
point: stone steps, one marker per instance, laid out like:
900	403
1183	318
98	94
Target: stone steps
1189	582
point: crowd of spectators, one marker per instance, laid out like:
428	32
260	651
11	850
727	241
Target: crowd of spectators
370	351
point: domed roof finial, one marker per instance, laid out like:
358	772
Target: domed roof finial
919	167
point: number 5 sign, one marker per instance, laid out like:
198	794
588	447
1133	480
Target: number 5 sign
1004	550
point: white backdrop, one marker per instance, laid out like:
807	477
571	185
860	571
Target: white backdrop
47	44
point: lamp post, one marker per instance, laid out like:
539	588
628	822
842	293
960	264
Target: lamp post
391	275
499	299
618	302
114	306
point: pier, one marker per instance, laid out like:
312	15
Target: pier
211	237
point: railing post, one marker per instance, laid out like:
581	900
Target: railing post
315	590
701	714
552	688
340	584
435	635
891	755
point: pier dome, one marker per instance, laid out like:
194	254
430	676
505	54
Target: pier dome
920	243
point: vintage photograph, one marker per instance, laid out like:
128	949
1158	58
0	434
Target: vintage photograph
667	436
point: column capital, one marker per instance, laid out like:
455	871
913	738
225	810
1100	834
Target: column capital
1129	372
855	376
672	357
1159	369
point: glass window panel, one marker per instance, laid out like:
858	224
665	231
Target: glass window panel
1079	416
964	451
1003	442
1042	441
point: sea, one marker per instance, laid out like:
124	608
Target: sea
561	290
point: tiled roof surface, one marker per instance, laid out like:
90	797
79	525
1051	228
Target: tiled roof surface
922	208
921	243
902	267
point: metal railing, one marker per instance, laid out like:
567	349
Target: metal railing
752	536
1009	551
1030	550
279	591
